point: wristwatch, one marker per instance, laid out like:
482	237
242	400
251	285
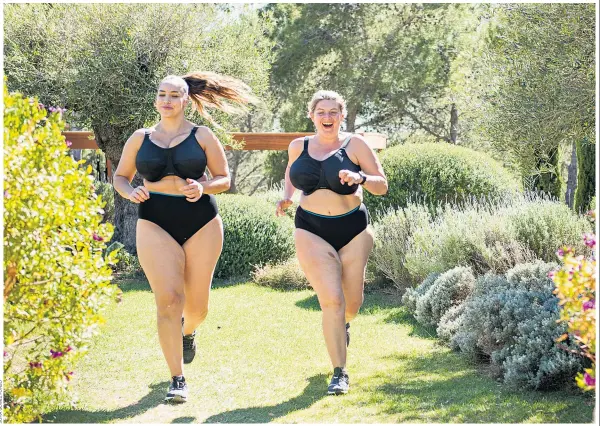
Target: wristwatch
364	178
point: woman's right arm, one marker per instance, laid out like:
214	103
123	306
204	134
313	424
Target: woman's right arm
294	151
126	170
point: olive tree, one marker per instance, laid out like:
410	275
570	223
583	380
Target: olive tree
103	62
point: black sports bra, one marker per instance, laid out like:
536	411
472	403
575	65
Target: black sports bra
308	174
186	159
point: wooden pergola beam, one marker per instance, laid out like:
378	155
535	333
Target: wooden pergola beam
253	141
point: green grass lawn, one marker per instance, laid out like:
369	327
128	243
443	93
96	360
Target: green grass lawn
261	358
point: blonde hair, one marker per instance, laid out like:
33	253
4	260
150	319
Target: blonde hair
208	89
326	95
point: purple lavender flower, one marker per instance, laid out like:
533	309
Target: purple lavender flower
56	354
560	252
589	380
589	240
590	304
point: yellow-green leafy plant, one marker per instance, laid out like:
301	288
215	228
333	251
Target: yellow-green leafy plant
576	289
56	276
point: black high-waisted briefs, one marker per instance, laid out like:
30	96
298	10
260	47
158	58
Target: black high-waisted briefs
336	230
179	217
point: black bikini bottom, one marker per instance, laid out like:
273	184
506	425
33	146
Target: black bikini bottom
179	217
336	230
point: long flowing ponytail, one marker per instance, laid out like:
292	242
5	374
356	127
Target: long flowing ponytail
211	90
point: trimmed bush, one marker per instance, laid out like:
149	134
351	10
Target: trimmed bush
254	236
450	289
450	324
393	238
411	296
513	323
56	280
437	173
475	235
544	226
284	276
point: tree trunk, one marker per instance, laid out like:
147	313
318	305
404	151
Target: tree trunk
572	177
111	140
547	180
233	162
351	119
453	124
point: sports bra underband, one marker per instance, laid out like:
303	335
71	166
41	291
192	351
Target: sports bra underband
186	159
308	174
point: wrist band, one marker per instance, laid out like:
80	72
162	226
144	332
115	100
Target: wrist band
364	178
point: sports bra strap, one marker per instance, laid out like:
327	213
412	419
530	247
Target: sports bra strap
347	141
196	127
305	143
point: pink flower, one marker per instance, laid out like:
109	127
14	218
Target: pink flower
589	380
5	354
97	237
69	375
41	106
56	354
69	143
68	349
590	304
560	252
551	274
589	240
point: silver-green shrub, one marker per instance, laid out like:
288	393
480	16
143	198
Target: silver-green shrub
411	295
450	289
450	324
285	276
512	321
393	238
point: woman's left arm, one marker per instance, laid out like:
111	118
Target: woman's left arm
371	176
216	162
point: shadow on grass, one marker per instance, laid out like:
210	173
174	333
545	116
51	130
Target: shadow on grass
153	399
402	316
311	394
443	387
374	303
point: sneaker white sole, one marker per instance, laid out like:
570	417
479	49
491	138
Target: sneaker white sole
337	392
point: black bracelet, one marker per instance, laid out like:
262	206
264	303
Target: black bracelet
364	178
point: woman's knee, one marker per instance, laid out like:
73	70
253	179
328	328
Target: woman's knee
170	303
332	301
353	306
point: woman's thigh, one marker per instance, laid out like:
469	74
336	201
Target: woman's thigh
162	260
202	252
354	257
321	265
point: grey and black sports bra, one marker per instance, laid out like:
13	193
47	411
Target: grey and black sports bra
186	159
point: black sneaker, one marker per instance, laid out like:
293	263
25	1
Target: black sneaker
340	382
178	390
189	348
347	334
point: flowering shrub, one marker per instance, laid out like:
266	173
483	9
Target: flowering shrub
575	288
56	279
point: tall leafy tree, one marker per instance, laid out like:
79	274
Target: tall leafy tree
103	62
538	78
391	62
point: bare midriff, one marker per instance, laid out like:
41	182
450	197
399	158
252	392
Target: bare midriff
328	203
167	185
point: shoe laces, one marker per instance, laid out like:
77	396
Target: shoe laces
178	383
188	341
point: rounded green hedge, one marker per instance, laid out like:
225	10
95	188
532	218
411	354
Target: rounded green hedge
253	235
437	173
